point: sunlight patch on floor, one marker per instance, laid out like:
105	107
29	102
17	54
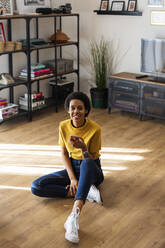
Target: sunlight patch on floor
124	150
14	187
121	157
24	170
34	170
54	151
28	152
28	147
109	155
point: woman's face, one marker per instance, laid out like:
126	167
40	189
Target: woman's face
77	112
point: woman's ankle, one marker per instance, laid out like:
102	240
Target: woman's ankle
78	204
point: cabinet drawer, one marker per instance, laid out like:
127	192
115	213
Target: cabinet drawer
156	92
125	86
125	101
153	108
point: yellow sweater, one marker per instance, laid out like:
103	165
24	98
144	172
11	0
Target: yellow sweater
90	132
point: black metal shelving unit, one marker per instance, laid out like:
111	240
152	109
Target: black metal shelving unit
110	12
28	50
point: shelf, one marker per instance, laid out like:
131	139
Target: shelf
21	113
35	15
49	45
110	12
52	45
20	82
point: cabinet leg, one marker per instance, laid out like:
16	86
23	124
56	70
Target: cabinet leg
30	116
109	110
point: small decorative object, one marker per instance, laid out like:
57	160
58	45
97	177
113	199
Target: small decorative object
155	3
132	5
2	32
117	5
104	5
29	6
60	37
6	7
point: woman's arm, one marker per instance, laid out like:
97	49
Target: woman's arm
68	166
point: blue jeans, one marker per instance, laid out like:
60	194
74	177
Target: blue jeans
87	172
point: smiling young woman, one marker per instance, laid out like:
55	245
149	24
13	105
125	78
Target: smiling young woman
80	141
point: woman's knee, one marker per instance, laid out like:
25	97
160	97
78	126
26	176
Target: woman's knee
36	189
88	164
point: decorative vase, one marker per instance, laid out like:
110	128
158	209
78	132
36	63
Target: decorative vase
60	37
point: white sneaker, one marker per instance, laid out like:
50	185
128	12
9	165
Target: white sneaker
72	225
94	195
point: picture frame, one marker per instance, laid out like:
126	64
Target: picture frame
2	32
6	7
158	17
29	6
104	5
156	3
117	5
132	5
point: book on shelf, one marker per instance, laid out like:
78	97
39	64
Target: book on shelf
8	111
35	73
34	95
23	100
36	67
35	105
37	101
3	102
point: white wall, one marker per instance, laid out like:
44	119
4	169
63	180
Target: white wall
125	31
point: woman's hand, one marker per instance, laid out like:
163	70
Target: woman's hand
72	187
77	142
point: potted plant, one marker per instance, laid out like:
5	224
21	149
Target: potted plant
100	58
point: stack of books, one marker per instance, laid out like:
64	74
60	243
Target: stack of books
37	70
8	111
3	102
37	101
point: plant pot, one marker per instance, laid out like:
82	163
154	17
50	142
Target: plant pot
99	97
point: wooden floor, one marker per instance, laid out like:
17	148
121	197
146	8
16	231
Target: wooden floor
133	160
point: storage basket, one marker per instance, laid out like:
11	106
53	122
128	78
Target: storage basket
10	46
18	45
2	46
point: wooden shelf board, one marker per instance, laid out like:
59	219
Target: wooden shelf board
110	12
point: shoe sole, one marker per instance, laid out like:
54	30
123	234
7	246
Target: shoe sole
101	202
67	237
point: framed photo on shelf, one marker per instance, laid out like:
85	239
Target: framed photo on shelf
117	5
155	3
132	5
6	7
2	32
104	5
29	6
